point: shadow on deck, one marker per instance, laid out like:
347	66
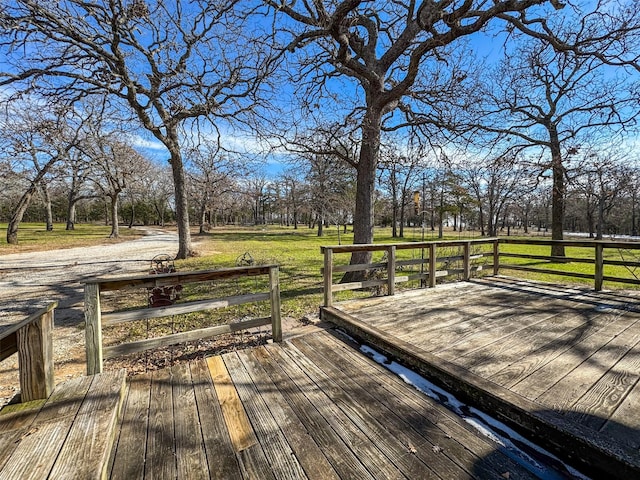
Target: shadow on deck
560	365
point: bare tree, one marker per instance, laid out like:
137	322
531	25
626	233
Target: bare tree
172	63
36	139
392	56
211	178
494	184
551	101
115	166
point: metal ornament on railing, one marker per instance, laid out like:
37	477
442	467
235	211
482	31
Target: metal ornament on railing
166	295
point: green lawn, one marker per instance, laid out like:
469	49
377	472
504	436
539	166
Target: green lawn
34	236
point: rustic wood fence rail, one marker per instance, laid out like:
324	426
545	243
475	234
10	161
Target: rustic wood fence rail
31	339
430	261
95	320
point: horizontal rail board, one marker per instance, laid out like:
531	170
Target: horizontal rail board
341	287
547	271
414	261
572	243
8	345
630	281
11	329
623	263
159	312
167	340
403	246
548	257
178	278
356	267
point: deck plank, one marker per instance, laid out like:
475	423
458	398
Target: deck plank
129	456
190	450
311	458
274	444
538	381
87	448
396	445
38	447
367	451
221	457
562	395
238	424
160	454
555	349
253	461
624	423
459	441
430	448
536	358
293	384
604	396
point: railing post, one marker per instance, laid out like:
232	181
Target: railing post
432	265
466	263
496	256
274	292
599	267
35	357
93	328
391	270
328	276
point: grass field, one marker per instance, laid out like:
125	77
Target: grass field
34	237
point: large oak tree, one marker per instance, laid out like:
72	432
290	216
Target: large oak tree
392	56
173	63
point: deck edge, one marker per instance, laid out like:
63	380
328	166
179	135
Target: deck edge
584	448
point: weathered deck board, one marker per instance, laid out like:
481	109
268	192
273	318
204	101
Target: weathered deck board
221	459
68	436
436	426
129	455
571	350
312	407
160	459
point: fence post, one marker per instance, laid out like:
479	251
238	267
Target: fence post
35	357
93	328
467	261
496	256
391	270
274	292
432	265
599	273
328	276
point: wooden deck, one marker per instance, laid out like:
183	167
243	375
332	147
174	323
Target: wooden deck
310	407
533	353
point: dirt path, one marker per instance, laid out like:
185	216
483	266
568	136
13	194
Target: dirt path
31	280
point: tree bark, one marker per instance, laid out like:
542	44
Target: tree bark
363	219
115	227
181	199
18	213
558	193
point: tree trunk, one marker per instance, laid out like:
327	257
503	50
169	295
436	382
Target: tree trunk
115	228
363	218
181	198
557	197
600	224
18	213
47	206
71	215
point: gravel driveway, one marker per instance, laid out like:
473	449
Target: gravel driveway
31	280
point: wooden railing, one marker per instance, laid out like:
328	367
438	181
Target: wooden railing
31	339
598	260
429	261
95	320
